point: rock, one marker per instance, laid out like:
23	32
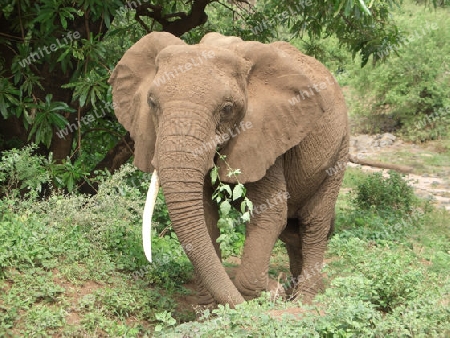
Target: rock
387	139
385	143
389	136
363	142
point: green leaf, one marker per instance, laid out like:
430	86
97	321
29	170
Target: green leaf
243	206
214	175
58	120
364	7
70	183
83	97
234	172
246	216
238	191
225	208
249	203
227	188
63	22
348	7
107	20
161	316
222	223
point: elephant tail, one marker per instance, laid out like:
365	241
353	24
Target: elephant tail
397	167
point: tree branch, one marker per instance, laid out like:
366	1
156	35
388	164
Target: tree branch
184	23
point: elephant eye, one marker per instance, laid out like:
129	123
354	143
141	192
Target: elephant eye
227	108
152	102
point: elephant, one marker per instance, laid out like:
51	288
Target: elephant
275	113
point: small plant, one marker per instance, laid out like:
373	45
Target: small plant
392	194
21	172
166	320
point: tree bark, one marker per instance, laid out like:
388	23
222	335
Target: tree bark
184	23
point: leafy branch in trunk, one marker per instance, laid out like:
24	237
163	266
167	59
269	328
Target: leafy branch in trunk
231	220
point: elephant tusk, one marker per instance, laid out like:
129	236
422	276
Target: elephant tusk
152	193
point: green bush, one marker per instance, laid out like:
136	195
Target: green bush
21	172
385	195
232	219
24	173
389	276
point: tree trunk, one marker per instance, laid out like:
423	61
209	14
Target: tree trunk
115	157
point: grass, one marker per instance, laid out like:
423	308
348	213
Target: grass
352	177
432	244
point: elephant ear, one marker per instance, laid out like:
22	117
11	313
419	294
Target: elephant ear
130	81
282	104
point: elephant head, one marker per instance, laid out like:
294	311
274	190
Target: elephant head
181	102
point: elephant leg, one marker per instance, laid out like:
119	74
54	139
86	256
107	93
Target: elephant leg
317	220
205	299
268	219
291	237
331	231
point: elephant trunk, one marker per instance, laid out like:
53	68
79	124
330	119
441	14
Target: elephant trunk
182	174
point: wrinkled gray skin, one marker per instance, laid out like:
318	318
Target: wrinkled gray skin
175	99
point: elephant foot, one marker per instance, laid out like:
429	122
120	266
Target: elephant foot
204	302
306	291
275	289
250	290
204	299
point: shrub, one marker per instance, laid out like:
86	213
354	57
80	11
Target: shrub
70	228
24	173
385	277
21	172
391	194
